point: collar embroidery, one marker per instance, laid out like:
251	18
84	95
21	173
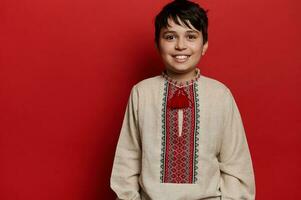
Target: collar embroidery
182	84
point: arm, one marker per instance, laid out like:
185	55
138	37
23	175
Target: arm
127	161
237	176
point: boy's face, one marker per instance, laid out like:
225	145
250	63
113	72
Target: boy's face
180	47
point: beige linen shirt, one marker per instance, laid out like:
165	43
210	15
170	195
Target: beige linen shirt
195	153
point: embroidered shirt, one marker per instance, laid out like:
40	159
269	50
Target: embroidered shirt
182	142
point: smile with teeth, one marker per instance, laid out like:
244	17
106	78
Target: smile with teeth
181	58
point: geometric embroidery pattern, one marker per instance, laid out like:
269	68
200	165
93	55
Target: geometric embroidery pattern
179	152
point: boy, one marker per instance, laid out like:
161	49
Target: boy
182	137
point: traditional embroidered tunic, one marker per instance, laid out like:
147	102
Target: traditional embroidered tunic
182	142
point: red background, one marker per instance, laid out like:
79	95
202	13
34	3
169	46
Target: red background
67	67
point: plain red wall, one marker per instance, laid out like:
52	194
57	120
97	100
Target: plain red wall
67	67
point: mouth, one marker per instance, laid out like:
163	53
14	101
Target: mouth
181	57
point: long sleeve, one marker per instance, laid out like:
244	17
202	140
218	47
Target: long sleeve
237	175
127	160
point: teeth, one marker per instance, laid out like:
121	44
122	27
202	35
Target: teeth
181	57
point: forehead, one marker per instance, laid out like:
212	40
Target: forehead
173	26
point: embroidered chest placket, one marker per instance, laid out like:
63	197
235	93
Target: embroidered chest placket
180	130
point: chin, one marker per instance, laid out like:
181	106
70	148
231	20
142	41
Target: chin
179	69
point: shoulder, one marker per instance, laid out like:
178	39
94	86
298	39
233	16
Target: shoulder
217	94
149	89
213	86
149	83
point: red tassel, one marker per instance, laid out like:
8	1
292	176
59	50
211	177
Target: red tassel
179	99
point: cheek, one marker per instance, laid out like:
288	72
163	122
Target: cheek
163	53
166	46
197	48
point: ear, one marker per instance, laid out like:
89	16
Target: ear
157	47
205	47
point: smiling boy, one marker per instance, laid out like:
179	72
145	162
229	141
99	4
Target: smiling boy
182	137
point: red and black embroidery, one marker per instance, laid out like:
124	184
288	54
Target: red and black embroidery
179	148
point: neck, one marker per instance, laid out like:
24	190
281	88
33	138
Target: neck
181	77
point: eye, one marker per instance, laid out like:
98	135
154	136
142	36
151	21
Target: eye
169	37
192	37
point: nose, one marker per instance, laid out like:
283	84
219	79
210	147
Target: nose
180	45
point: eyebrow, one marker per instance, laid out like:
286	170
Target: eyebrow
191	31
